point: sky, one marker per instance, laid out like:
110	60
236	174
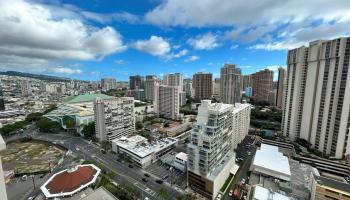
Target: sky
91	39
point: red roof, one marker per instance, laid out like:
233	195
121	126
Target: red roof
69	181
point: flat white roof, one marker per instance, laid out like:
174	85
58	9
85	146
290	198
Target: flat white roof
268	157
182	156
141	147
261	193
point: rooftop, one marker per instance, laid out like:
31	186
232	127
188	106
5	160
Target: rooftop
85	98
100	193
141	147
269	158
261	193
70	181
333	184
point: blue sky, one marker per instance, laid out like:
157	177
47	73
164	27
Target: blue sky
117	38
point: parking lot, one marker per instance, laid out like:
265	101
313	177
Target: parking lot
168	174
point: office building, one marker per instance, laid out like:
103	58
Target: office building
108	84
210	152
136	82
149	87
280	86
216	87
167	101
3	194
230	84
262	85
173	80
187	87
141	151
202	84
316	103
114	118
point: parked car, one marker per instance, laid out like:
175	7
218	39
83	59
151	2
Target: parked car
230	193
130	166
159	181
218	197
144	180
147	175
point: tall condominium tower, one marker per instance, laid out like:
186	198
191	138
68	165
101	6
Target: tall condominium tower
316	103
280	86
173	80
216	87
150	84
262	85
187	87
114	118
26	87
230	84
202	85
167	101
2	101
246	81
136	82
108	84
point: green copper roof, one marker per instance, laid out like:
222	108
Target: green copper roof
85	98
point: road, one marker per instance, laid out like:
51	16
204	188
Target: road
133	176
242	151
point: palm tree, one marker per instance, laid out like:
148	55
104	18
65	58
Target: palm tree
162	193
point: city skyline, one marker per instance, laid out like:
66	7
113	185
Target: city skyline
120	39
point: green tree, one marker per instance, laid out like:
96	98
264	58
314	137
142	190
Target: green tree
33	117
187	196
89	130
139	125
48	126
69	121
9	128
163	193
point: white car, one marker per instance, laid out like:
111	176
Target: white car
230	193
146	198
218	197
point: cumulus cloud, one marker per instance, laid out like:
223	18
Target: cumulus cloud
156	46
34	35
204	42
288	23
192	58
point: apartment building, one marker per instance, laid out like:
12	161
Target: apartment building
150	84
2	100
280	86
247	81
114	118
262	85
241	122
108	84
202	85
316	103
167	101
230	84
216	87
210	152
136	82
173	80
187	87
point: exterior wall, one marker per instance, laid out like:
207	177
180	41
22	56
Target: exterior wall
230	84
136	82
241	123
108	84
280	86
326	193
187	87
316	99
114	118
167	101
203	86
3	195
149	87
262	85
173	80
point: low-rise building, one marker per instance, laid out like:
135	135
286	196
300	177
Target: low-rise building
142	152
180	161
326	188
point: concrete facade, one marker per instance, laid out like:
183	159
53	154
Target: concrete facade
230	84
203	85
167	101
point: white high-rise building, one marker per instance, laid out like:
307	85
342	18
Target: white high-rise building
167	101
150	84
26	87
187	87
317	96
3	195
230	84
216	87
108	84
114	118
173	80
213	139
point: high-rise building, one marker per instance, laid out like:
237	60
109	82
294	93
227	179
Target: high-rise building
316	104
262	85
173	80
217	131
3	195
114	118
2	101
167	101
136	82
150	83
230	84
247	81
108	84
280	86
187	87
26	87
202	85
216	87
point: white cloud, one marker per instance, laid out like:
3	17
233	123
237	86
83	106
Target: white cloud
181	53
234	46
156	46
192	58
35	34
206	41
64	70
120	62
